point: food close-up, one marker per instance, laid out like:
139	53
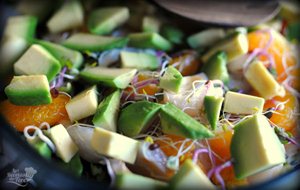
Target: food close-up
131	95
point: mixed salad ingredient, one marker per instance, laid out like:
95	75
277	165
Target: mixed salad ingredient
124	94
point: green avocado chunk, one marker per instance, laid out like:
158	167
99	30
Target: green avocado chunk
149	40
74	166
113	77
175	121
104	20
212	106
216	68
64	55
91	42
29	90
190	176
140	61
173	34
171	80
134	181
136	117
42	148
69	16
150	24
255	147
107	112
37	61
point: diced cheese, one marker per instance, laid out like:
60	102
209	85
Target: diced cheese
262	81
65	147
114	145
237	103
83	105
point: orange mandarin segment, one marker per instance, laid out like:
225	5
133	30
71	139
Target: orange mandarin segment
286	117
279	49
22	116
187	63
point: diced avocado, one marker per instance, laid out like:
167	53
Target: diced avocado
216	68
37	61
136	117
212	106
65	147
64	55
173	34
190	176
104	20
140	61
91	42
237	103
149	40
17	36
171	80
21	26
114	77
11	49
42	148
107	112
150	24
114	145
74	165
69	16
255	147
174	121
205	38
134	181
262	80
83	104
29	90
234	47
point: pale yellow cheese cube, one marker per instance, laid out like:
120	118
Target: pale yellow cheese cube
114	145
237	103
83	105
262	81
65	147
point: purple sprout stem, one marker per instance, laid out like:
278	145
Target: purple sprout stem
60	79
217	170
292	141
197	152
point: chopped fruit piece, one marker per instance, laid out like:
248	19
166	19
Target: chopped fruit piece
104	20
64	145
37	61
186	62
140	61
256	152
29	90
285	109
190	176
242	103
262	81
171	80
83	104
114	145
69	16
22	116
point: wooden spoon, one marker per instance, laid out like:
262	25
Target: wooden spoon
223	12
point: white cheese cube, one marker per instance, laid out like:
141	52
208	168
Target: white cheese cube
237	103
65	147
83	105
114	145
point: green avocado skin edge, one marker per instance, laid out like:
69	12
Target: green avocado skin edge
174	121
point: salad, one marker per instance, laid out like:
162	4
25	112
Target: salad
123	94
